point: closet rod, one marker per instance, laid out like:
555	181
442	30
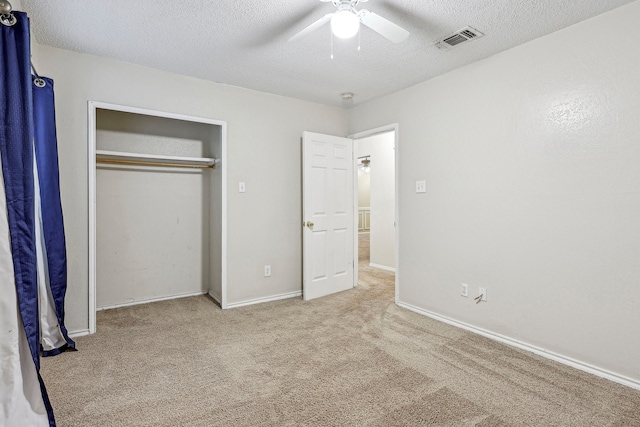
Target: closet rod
173	165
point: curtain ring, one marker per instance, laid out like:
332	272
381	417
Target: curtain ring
39	82
8	20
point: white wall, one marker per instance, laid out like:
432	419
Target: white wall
152	234
263	150
364	189
382	197
533	191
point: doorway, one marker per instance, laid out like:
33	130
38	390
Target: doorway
376	153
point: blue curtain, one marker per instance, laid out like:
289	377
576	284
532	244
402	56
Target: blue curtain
16	140
46	152
27	126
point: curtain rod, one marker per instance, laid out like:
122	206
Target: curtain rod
142	163
5	7
6	17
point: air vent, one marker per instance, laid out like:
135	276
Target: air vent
461	36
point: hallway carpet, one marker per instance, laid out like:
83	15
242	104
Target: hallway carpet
351	359
364	247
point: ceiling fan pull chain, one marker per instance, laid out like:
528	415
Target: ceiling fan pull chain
359	38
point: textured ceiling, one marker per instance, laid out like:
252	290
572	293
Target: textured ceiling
244	42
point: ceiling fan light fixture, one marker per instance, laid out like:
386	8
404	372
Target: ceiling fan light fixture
345	24
364	163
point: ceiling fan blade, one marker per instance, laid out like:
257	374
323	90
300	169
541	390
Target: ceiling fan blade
311	28
383	26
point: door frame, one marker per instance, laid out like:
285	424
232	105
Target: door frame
395	128
93	106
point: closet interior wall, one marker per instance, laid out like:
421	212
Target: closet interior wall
158	229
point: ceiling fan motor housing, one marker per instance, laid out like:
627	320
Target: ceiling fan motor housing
349	3
345	22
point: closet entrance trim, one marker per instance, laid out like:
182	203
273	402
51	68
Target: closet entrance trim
92	159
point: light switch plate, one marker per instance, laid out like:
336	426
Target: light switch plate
241	187
421	186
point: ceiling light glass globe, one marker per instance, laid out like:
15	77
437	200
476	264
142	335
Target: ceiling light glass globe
345	24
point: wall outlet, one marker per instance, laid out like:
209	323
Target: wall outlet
465	290
267	271
483	292
421	186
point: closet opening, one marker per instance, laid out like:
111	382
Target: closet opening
157	202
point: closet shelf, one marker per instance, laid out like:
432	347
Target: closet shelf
154	159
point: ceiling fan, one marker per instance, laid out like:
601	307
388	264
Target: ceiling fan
346	20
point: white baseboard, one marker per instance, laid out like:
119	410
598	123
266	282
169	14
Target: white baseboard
266	299
382	267
215	298
586	367
146	301
80	333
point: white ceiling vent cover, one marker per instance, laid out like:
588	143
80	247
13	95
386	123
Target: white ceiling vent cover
461	36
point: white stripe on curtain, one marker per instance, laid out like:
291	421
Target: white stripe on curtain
21	401
50	334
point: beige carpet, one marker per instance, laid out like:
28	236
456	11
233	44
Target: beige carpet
364	247
351	359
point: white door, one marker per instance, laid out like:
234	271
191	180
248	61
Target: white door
328	215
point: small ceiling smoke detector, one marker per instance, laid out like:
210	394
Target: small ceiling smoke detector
347	96
464	35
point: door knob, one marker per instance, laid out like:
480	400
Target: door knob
310	225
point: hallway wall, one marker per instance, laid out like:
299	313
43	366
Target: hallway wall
382	197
